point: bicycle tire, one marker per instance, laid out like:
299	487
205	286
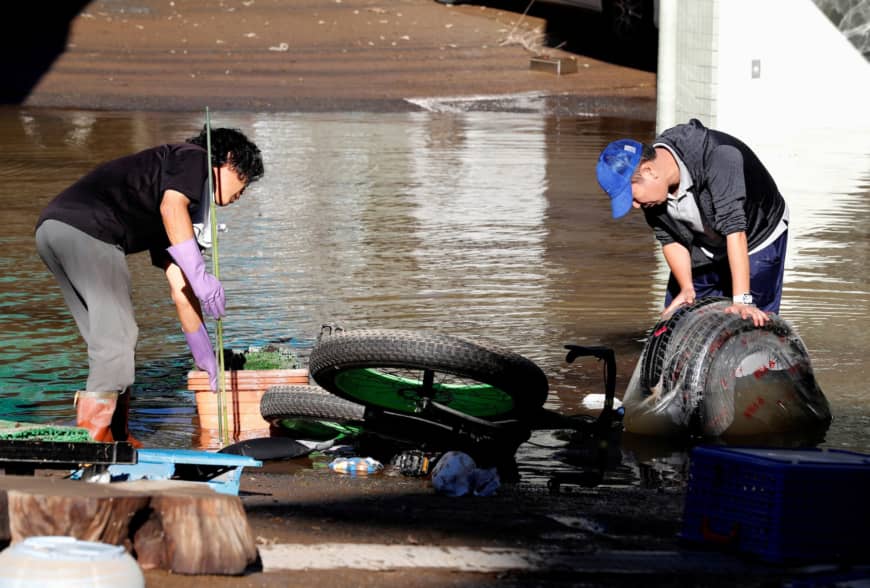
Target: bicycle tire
693	345
300	402
313	412
706	378
396	370
656	348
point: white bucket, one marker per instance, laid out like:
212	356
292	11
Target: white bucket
50	562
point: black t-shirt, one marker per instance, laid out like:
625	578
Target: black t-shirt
119	201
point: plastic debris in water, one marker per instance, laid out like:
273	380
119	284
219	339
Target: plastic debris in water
356	466
596	402
415	462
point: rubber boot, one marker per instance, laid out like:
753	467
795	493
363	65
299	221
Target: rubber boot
120	421
94	412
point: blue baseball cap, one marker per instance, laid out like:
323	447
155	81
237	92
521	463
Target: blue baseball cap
616	164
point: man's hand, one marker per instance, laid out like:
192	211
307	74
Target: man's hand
749	311
686	296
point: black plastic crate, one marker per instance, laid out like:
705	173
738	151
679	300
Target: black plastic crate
783	505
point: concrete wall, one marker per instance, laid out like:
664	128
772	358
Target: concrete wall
758	67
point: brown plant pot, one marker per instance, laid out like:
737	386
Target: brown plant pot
244	389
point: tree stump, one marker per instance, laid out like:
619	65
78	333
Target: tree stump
191	535
178	526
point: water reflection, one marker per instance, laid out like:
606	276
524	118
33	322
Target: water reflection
825	176
477	223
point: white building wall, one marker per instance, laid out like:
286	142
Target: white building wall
758	67
692	31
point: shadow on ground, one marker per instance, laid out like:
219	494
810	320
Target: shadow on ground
41	34
585	32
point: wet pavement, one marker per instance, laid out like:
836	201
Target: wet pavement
317	526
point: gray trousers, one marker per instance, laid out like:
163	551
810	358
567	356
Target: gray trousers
95	282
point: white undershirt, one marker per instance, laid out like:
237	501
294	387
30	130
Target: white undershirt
201	219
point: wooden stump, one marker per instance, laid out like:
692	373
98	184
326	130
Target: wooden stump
178	526
189	535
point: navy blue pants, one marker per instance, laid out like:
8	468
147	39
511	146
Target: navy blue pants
765	277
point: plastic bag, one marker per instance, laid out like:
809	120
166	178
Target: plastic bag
456	474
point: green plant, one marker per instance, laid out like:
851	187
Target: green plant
269	357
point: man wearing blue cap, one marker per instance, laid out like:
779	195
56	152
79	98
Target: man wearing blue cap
715	209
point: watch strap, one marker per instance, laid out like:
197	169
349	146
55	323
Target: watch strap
745	298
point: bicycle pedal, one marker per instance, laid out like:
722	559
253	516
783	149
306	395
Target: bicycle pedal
415	463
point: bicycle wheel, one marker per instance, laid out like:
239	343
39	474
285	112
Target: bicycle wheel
656	348
402	371
310	412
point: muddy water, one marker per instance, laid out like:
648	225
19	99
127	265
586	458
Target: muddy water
474	223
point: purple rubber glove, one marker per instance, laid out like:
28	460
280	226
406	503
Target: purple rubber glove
206	287
203	354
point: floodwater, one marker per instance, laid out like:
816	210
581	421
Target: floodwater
470	222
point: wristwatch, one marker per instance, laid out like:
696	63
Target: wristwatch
745	298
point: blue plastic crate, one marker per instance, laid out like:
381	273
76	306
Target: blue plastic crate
782	505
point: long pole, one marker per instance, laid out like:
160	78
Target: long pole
223	425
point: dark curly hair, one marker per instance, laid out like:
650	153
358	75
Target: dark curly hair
233	147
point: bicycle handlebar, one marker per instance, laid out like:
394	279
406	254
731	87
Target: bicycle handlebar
609	357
